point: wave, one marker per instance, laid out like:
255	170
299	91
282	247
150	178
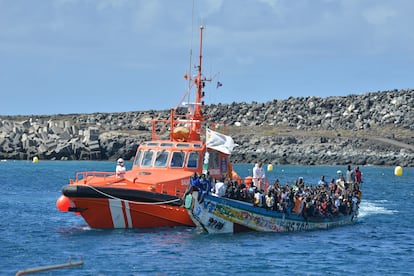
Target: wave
368	208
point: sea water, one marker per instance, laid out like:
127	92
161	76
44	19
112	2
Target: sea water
33	233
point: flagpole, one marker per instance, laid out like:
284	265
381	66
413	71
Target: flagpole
206	156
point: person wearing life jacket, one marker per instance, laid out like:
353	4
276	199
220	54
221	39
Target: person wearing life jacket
298	203
270	201
332	184
120	168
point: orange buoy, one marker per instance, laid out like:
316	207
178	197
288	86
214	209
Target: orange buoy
63	203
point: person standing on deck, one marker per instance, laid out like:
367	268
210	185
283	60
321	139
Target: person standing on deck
258	176
120	168
358	176
340	182
220	188
349	175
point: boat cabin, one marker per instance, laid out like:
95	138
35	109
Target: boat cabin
188	156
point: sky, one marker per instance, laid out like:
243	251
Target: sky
86	56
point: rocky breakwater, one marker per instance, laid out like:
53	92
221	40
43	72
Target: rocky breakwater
373	128
97	136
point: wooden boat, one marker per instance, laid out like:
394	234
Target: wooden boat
218	214
151	193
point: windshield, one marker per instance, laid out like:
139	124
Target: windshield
161	159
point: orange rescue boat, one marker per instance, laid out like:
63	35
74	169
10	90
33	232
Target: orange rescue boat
151	194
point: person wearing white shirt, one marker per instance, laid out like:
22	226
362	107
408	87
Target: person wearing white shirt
220	188
258	176
120	169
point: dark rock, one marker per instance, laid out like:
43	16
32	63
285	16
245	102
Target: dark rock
373	128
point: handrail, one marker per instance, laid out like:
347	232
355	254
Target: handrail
85	175
168	125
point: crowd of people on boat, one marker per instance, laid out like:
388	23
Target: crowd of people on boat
340	196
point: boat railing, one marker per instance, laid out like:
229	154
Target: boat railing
87	177
161	128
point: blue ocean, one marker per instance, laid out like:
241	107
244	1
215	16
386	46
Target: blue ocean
33	233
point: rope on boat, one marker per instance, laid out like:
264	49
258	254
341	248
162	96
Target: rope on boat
133	202
50	267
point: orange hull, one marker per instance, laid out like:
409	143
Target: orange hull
115	213
141	200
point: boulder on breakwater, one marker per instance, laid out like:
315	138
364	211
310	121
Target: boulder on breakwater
374	128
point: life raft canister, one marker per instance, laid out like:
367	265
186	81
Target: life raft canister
181	134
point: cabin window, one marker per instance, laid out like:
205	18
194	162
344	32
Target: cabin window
177	159
137	158
147	158
183	145
193	160
213	160
162	158
223	165
169	145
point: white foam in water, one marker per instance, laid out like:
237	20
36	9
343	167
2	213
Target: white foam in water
367	208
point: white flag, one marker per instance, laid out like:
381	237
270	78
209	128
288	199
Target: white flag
219	142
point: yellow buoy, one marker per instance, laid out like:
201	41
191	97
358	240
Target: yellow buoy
35	159
270	167
398	171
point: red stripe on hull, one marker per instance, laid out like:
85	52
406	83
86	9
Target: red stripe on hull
124	212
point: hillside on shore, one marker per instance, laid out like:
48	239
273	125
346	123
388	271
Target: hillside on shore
369	129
